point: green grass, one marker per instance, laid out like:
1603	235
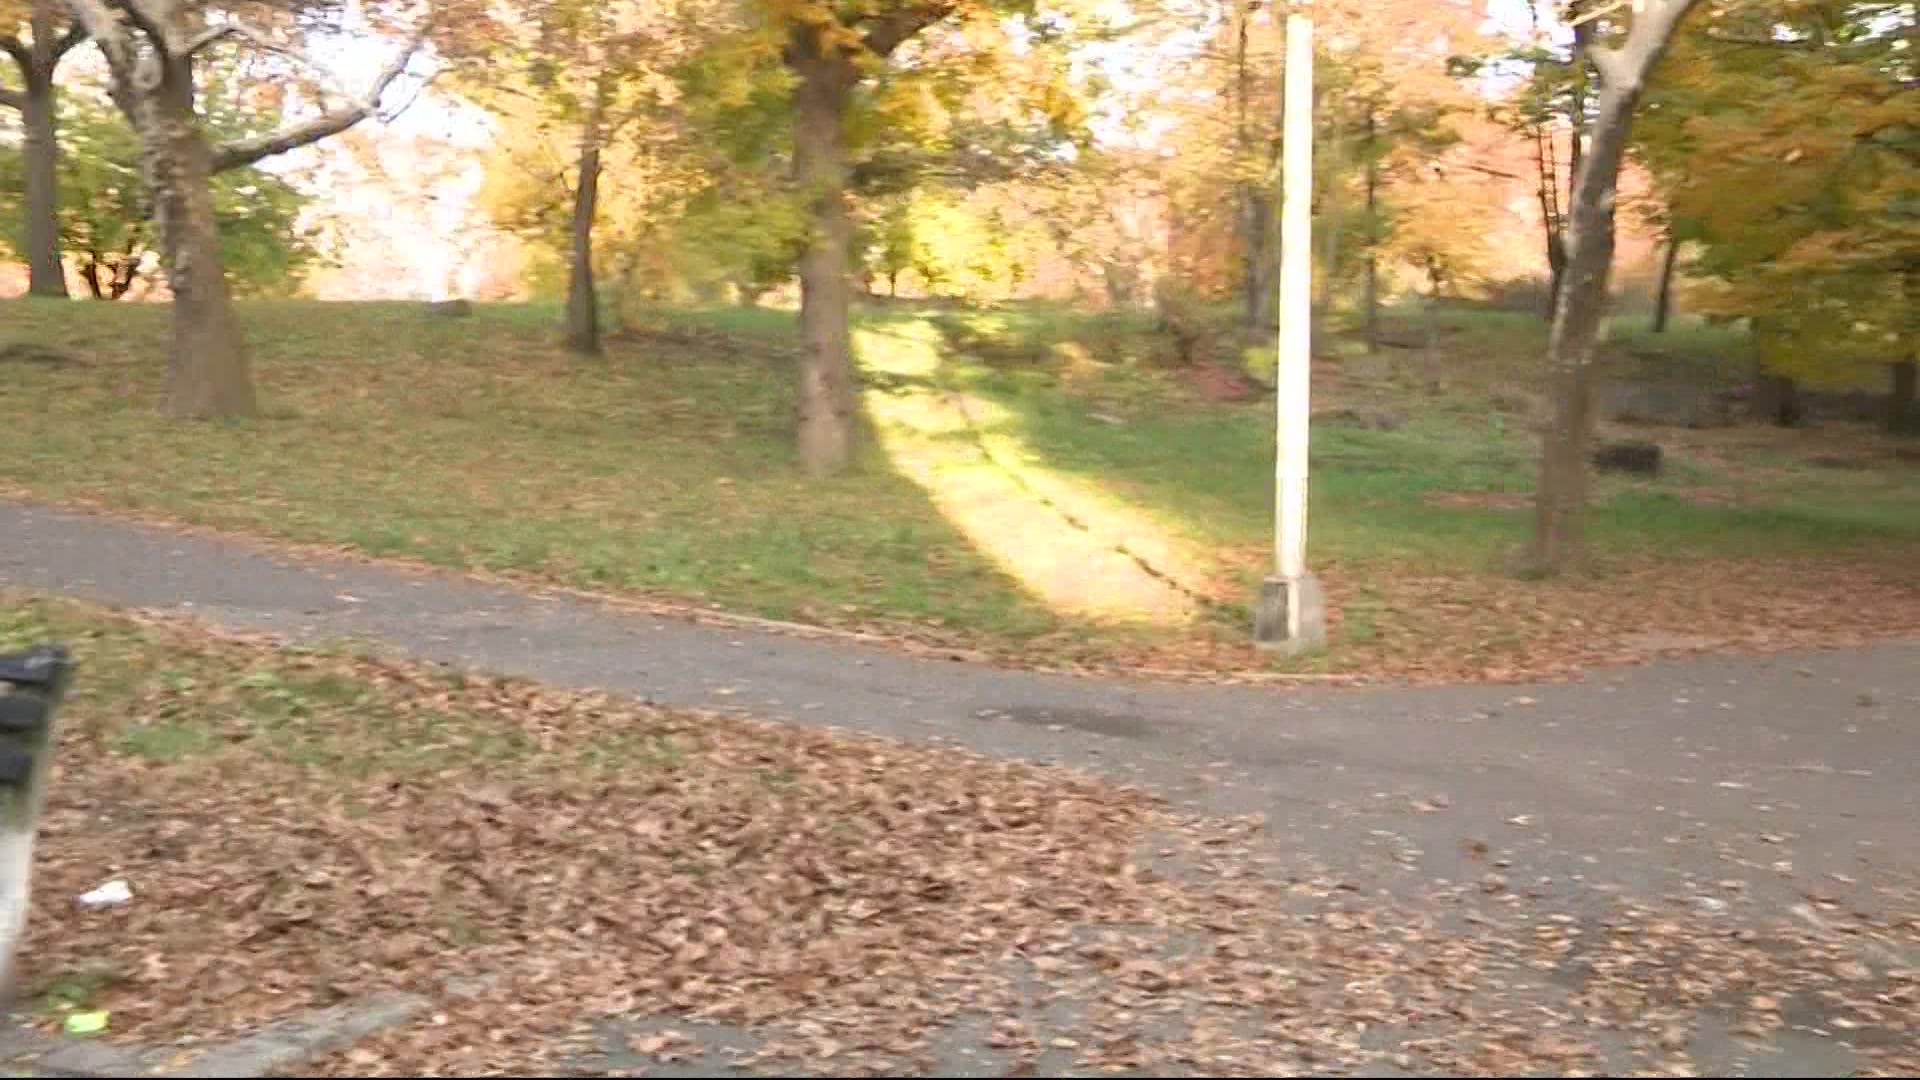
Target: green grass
173	698
665	468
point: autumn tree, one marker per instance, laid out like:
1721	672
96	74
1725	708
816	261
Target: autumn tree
1550	109
1623	70
1437	229
153	49
589	68
833	53
1785	140
103	217
853	102
1382	91
1394	128
51	35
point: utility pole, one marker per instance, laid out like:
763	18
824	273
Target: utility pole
1291	616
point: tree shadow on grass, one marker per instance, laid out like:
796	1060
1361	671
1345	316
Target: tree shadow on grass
478	444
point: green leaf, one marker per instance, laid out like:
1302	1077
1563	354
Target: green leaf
86	1023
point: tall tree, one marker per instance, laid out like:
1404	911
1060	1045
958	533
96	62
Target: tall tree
103	215
829	52
1549	108
1785	140
1382	85
1623	69
51	36
583	61
152	48
835	56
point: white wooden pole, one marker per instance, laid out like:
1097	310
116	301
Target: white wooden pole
1291	616
1295	307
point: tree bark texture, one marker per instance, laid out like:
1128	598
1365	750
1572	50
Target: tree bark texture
1370	285
1901	416
827	401
1559	541
46	274
583	305
38	102
1900	397
209	375
1663	287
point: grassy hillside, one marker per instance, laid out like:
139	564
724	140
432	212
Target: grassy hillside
1009	452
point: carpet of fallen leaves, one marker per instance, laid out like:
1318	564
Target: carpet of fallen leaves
1414	626
300	827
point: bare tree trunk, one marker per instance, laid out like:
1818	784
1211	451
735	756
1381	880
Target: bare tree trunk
46	275
1777	399
1900	398
1370	287
620	306
208	374
1546	169
1263	269
827	402
1663	288
1430	324
150	56
1560	534
583	304
1259	264
1556	252
1327	232
38	103
1906	372
125	269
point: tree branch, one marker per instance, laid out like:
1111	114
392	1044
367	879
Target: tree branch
17	49
1600	13
237	29
12	99
1759	43
1610	63
99	23
1626	67
213	34
150	22
76	33
889	32
244	152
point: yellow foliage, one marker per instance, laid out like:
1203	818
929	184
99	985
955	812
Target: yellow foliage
1792	168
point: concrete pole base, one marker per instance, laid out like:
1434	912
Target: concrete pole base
1291	616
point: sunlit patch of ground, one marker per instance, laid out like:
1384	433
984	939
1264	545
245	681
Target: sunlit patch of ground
1080	551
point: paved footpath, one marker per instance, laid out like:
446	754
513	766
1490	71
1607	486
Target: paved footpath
1788	773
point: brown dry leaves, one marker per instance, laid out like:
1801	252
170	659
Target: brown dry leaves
350	825
597	857
1487	628
1422	627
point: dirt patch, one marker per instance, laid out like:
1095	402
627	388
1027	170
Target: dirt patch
24	352
1214	382
1704	496
1478	500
